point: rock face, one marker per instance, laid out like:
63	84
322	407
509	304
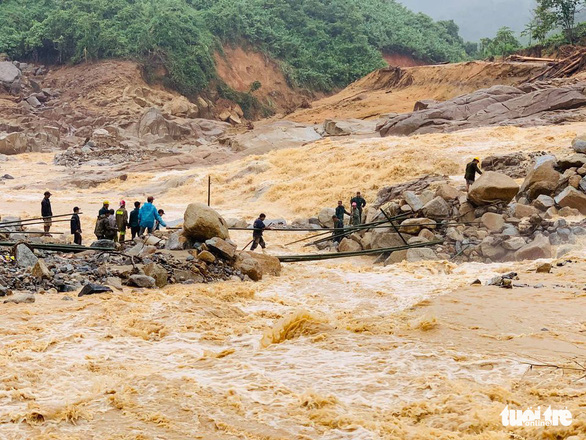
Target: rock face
154	126
201	223
542	179
572	198
498	105
493	187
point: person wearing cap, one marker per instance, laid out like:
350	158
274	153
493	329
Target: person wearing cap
471	170
47	212
360	204
105	208
356	214
75	224
340	211
147	216
133	221
157	223
122	221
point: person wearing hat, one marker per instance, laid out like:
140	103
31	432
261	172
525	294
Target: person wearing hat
471	170
157	223
47	212
356	214
147	216
360	204
122	221
105	208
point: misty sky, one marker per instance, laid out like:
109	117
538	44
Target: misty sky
477	18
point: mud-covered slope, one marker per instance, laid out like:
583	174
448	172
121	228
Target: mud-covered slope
394	90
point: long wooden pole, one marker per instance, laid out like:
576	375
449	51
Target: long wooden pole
209	190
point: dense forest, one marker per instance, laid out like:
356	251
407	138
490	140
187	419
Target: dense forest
321	44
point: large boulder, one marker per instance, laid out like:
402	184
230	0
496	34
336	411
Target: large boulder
345	127
221	247
348	245
493	222
519	210
542	179
420	254
153	125
269	264
385	238
573	161
538	248
579	144
437	208
13	143
8	73
447	192
25	257
92	289
142	281
325	217
493	187
543	202
572	198
415	225
200	223
413	200
157	272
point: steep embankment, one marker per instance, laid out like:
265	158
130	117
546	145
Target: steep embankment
396	90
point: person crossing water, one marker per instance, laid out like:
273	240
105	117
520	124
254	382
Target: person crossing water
257	234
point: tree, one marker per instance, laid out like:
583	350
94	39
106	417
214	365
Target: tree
505	43
561	13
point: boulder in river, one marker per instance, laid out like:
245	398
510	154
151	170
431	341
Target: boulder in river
92	289
201	223
493	187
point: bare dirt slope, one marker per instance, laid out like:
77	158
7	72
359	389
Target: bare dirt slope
393	90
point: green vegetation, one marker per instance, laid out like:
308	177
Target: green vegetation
322	44
505	43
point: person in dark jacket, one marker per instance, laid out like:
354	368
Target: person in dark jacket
259	227
360	204
340	211
47	212
134	221
105	208
471	170
76	226
338	229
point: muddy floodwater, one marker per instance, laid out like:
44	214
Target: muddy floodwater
328	350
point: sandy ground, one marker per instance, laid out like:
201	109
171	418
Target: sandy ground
329	350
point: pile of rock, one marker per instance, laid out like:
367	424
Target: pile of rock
200	253
498	220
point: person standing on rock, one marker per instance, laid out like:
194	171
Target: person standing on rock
47	212
258	229
122	221
356	215
471	170
76	226
340	211
147	216
338	228
360	204
133	221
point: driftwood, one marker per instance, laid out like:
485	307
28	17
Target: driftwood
522	59
564	68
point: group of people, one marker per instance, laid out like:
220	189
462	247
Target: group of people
111	224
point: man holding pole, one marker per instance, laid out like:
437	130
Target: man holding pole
76	226
47	212
259	227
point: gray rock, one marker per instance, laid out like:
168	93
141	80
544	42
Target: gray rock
9	73
437	208
158	273
421	254
222	247
572	198
24	298
543	202
514	243
142	281
413	200
176	241
92	289
109	244
25	257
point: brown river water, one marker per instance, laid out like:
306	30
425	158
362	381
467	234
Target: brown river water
329	350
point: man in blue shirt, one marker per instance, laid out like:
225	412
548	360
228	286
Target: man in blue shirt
259	226
147	216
